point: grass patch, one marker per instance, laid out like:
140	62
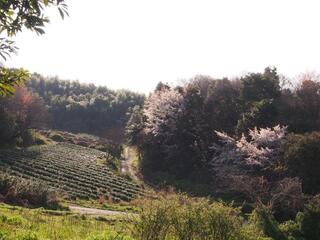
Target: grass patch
37	224
129	207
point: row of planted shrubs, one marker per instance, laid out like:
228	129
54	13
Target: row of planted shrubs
15	190
179	217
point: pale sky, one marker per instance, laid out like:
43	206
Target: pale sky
134	44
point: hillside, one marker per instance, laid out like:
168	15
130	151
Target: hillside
69	168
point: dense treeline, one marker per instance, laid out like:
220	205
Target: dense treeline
250	136
64	105
78	107
183	119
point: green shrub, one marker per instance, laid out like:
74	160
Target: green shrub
309	222
27	236
99	147
57	137
6	182
113	163
28	138
306	225
31	137
127	176
8	127
15	220
3	234
180	217
108	236
265	221
154	221
292	230
302	158
27	192
40	139
81	143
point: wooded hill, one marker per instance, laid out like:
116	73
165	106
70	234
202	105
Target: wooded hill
85	108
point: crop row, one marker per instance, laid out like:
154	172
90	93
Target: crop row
70	168
72	172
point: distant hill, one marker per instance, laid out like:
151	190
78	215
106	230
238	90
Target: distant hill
69	168
85	108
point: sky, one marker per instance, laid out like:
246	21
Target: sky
134	44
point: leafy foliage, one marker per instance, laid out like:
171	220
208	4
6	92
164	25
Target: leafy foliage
14	16
134	126
309	222
7	48
302	158
260	113
180	217
9	78
20	112
258	92
300	107
259	86
263	218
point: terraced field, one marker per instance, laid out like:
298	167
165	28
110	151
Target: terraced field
69	168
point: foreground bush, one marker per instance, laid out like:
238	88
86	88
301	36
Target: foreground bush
27	193
309	222
265	221
306	225
180	217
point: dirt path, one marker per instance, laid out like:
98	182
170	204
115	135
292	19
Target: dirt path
94	211
126	164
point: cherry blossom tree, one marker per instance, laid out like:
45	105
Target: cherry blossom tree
261	149
162	111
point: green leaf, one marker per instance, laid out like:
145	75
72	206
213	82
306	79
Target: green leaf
61	13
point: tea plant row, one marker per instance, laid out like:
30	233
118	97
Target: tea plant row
69	168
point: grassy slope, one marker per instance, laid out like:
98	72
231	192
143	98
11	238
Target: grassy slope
70	168
37	224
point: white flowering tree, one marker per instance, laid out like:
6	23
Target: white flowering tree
261	149
162	111
240	166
